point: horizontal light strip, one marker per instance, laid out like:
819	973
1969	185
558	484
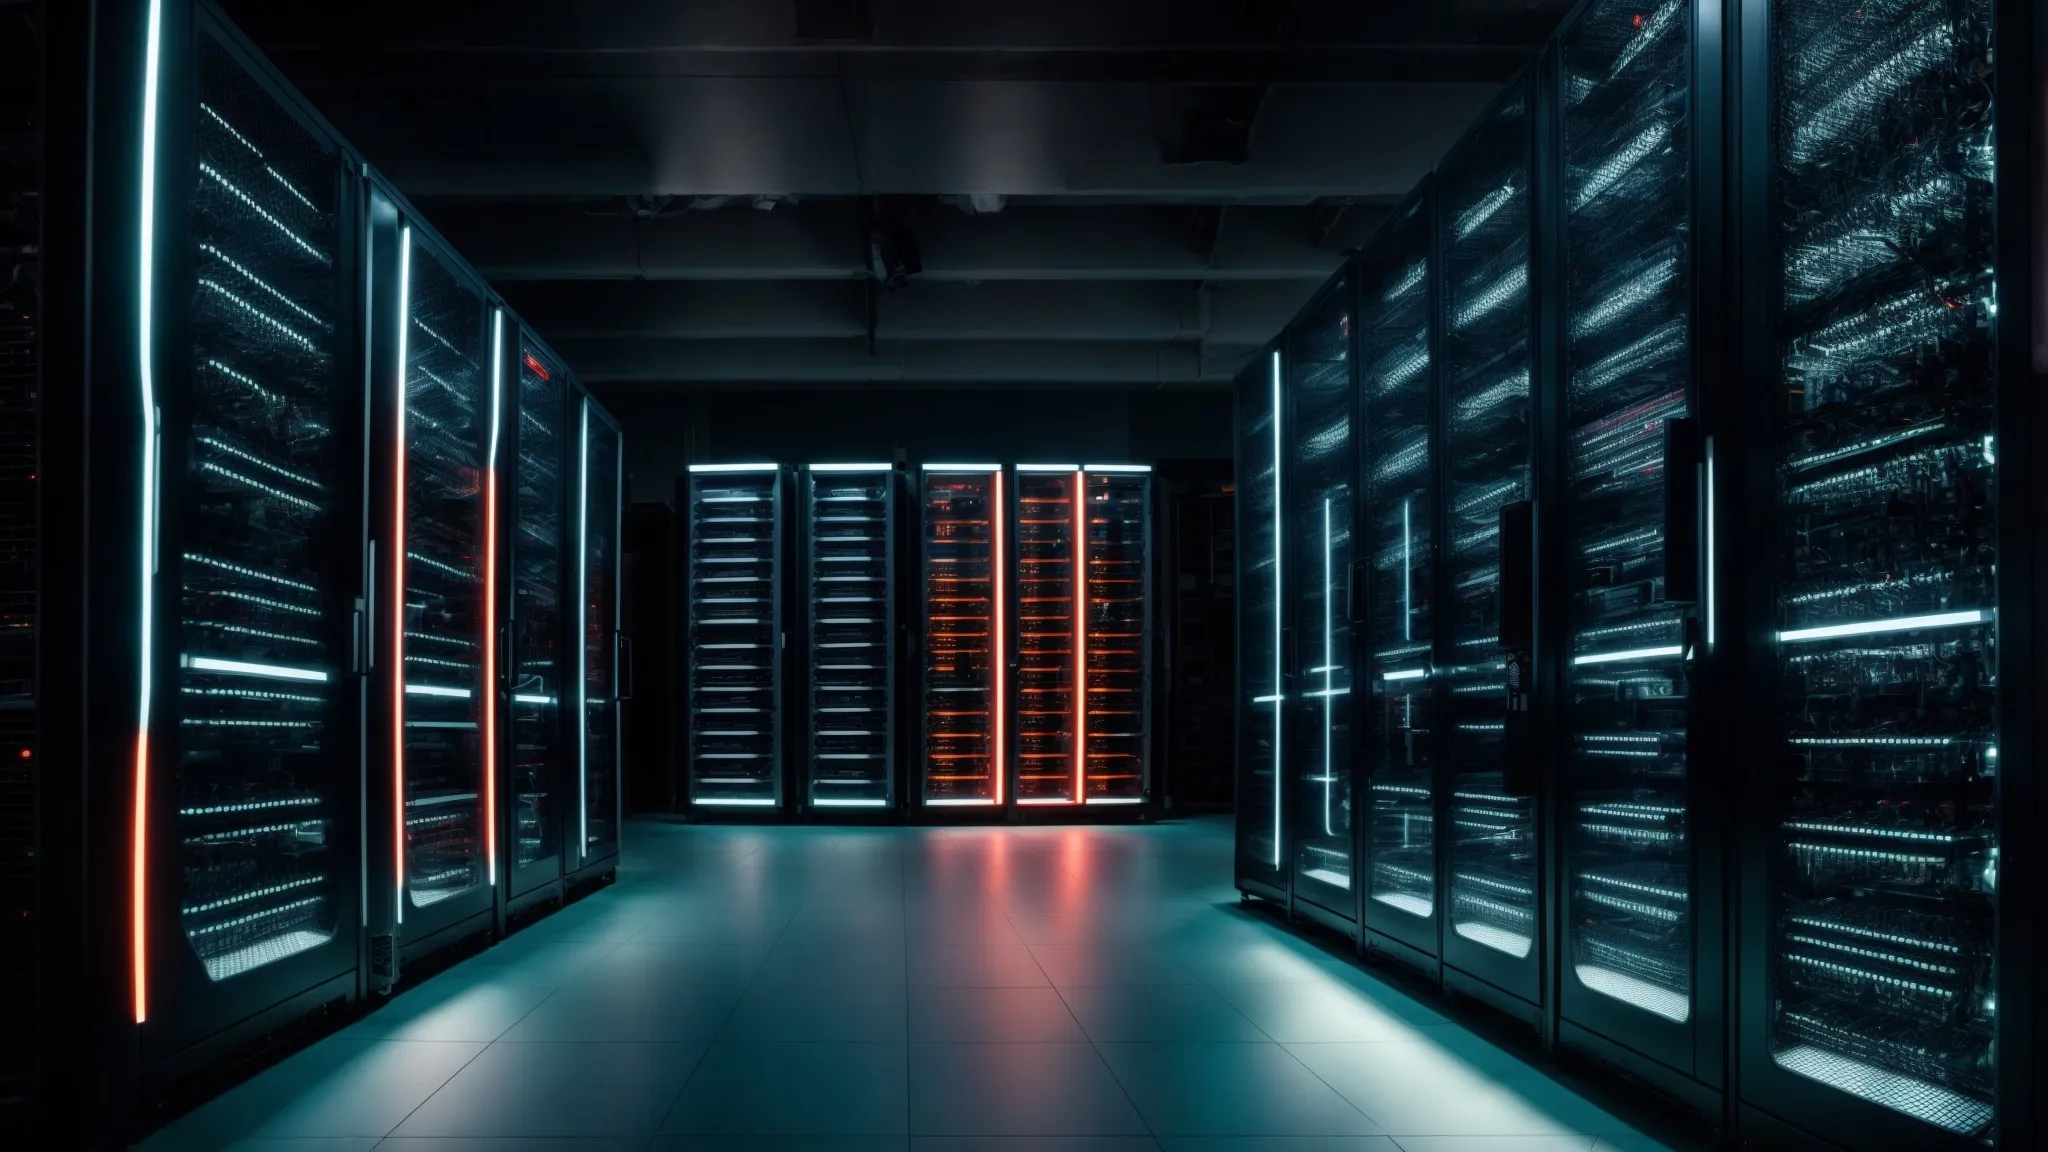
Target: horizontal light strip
243	667
436	690
1116	800
963	468
1405	674
850	467
1116	468
523	698
829	802
734	467
1875	627
736	802
1630	654
1265	699
1048	467
950	803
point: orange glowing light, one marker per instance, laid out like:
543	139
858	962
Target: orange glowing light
997	703
138	881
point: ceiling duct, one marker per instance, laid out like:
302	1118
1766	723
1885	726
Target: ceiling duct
1215	124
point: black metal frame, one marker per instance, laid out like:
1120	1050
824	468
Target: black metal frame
802	606
599	864
1277	887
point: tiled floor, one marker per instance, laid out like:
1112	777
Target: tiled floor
943	990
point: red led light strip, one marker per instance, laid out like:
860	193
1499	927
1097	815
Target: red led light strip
1080	637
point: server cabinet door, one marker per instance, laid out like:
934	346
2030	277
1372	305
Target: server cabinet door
1261	638
1115	613
1049	525
1626	202
1872	1005
251	858
600	526
850	533
1487	360
1321	462
433	616
734	636
964	689
537	652
1397	399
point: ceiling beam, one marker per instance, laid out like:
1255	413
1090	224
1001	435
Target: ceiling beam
681	364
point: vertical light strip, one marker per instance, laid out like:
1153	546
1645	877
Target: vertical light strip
1279	697
998	704
1711	606
1329	672
490	686
583	631
1080	567
398	581
1407	574
138	864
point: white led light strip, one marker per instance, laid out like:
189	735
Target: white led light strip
1880	627
735	467
1278	636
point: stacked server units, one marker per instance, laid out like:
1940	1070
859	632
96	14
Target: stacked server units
538	482
1046	715
850	515
733	637
1116	634
963	589
1261	866
603	655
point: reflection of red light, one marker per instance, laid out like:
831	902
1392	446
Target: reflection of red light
1637	20
25	754
536	366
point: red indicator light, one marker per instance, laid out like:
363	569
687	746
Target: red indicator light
1637	20
536	366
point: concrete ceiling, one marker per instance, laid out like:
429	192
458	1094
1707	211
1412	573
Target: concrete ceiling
684	195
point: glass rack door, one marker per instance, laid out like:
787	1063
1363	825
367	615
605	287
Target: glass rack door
1628	343
852	520
1116	634
599	520
1322	464
446	421
1260	682
1050	642
1487	444
734	635
964	691
536	650
1397	397
1885	872
263	695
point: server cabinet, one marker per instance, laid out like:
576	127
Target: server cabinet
1117	705
1262	668
1888	866
851	544
432	739
1636	99
603	653
244	562
1395	614
535	684
962	578
1486	448
1320	450
733	636
1049	524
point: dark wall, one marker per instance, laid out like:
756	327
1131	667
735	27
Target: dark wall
663	433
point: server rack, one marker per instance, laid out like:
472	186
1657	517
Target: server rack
1262	643
1395	612
1320	452
1486	463
851	547
1889	857
963	586
1048	522
436	394
1635	101
1118	707
602	652
536	477
734	637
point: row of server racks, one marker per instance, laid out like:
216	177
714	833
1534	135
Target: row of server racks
309	577
1638	568
944	642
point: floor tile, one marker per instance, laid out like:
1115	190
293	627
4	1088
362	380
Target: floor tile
1278	1144
627	1011
809	962
513	1144
1164	1012
780	1144
706	964
1108	964
558	1089
776	1014
991	1015
1499	1143
975	966
524	960
1433	1088
1033	1144
1016	1090
1318	1013
1230	1090
452	1006
795	1089
305	1144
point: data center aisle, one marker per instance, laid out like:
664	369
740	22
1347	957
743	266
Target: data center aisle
907	988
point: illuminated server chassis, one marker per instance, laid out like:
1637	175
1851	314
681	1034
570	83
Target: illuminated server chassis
849	515
1080	637
295	417
963	589
734	637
